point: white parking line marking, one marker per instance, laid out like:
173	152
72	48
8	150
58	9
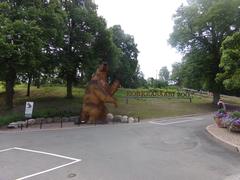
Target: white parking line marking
48	170
46	153
74	160
6	150
175	122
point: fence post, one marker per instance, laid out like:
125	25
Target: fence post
41	124
126	99
27	124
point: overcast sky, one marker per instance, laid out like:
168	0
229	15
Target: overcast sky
150	22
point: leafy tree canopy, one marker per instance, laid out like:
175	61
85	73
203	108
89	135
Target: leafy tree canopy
128	66
176	75
199	30
164	74
230	62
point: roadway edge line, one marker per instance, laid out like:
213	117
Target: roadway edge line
177	117
174	122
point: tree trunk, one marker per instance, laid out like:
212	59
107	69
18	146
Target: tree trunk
38	83
29	84
216	97
10	81
37	80
69	86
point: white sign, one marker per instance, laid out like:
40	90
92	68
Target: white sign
29	109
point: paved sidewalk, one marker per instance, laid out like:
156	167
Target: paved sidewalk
223	135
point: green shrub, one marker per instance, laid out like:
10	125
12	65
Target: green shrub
54	113
5	120
235	114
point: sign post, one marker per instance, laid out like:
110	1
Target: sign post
28	110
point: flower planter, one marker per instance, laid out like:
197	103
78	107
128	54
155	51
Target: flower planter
218	121
235	126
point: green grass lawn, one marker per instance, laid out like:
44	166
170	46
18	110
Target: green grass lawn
51	101
161	107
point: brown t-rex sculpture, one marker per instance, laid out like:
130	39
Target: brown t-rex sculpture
98	92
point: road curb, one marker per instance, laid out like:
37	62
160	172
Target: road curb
176	117
227	144
27	130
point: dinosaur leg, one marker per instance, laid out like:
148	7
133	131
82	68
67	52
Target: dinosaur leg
103	115
95	115
84	116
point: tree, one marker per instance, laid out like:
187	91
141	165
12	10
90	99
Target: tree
151	81
164	74
199	30
128	62
230	62
142	82
50	18
29	35
190	77
87	42
104	49
76	40
176	75
20	45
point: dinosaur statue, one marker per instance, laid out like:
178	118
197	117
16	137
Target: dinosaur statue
98	92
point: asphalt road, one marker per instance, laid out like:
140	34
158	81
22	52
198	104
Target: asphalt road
171	149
